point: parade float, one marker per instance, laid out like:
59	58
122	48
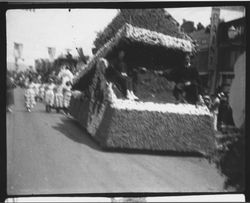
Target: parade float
154	122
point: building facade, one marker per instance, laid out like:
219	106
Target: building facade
200	61
187	26
231	45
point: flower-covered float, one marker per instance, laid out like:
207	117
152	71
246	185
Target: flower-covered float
154	121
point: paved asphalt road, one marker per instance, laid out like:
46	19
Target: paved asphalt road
50	153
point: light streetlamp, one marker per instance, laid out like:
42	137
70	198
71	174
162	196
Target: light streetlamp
232	32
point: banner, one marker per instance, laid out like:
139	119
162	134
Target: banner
18	51
68	50
51	52
80	52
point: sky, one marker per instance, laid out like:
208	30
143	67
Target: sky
63	29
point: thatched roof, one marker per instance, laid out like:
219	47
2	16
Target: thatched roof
158	20
141	36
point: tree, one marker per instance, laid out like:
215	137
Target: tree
207	29
44	68
200	26
187	26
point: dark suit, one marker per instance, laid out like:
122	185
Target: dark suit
180	76
114	74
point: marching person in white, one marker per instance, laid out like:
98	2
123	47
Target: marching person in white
66	96
65	75
42	92
29	95
36	89
59	96
49	96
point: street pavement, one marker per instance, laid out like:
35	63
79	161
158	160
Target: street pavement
49	153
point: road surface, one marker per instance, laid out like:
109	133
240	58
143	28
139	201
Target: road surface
51	154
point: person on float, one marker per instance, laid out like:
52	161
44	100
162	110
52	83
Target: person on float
118	74
188	87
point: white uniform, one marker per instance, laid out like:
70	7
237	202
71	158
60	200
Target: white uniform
41	92
66	96
36	89
59	96
66	75
30	96
49	95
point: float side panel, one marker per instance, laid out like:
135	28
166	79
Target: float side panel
156	131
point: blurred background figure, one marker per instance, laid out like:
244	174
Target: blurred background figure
214	108
10	93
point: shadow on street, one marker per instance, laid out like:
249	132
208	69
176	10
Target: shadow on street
71	129
80	135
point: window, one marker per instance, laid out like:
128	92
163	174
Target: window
203	41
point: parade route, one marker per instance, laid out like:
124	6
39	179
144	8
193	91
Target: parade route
48	153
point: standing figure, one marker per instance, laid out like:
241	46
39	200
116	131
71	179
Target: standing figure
207	101
30	95
10	93
59	96
215	109
49	96
66	96
225	116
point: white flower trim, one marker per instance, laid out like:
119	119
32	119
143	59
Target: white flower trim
155	38
124	104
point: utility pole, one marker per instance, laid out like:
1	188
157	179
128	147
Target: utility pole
213	49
